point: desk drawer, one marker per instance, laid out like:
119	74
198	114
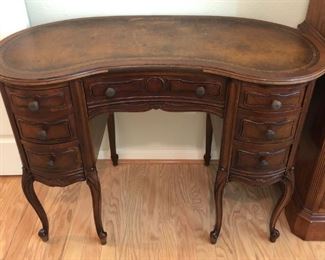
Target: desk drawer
47	131
271	99
53	158
117	87
49	103
205	89
266	128
259	158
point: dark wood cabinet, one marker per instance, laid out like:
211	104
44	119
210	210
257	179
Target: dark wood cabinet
306	211
173	63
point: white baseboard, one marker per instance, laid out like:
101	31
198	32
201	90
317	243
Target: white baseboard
10	163
140	154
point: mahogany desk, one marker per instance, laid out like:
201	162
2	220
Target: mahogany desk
257	76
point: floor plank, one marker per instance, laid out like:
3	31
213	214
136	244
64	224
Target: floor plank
150	211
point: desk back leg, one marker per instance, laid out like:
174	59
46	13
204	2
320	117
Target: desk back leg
208	140
112	138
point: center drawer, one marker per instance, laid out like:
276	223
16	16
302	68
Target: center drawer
121	87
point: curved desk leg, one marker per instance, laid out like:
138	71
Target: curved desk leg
288	181
219	186
111	137
94	185
28	188
208	140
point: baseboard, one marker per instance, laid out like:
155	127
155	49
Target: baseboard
10	163
159	161
146	154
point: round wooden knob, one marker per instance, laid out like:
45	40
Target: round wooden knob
276	104
42	134
270	134
50	163
263	162
110	92
33	106
200	91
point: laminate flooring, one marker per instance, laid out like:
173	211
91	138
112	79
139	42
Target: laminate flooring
151	210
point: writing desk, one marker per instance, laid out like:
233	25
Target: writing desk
256	75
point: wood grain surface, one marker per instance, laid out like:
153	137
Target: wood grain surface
151	211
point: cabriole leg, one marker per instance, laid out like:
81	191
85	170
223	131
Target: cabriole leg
219	186
288	181
28	188
94	185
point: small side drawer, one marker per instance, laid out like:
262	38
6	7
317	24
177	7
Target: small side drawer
271	99
53	158
257	159
47	103
266	128
47	131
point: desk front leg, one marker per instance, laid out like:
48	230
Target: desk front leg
225	152
88	156
95	189
27	183
219	186
288	182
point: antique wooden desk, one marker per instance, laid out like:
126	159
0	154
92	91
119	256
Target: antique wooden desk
257	76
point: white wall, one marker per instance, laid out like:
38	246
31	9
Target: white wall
154	134
13	17
289	12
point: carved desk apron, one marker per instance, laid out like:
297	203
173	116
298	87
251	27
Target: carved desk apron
257	76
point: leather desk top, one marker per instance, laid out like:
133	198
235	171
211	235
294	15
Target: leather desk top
245	49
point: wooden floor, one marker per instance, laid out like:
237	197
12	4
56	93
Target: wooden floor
151	211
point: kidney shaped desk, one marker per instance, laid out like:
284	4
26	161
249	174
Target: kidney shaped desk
257	76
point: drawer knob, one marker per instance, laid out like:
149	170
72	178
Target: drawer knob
270	134
33	106
276	104
42	134
110	92
263	162
50	163
200	91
